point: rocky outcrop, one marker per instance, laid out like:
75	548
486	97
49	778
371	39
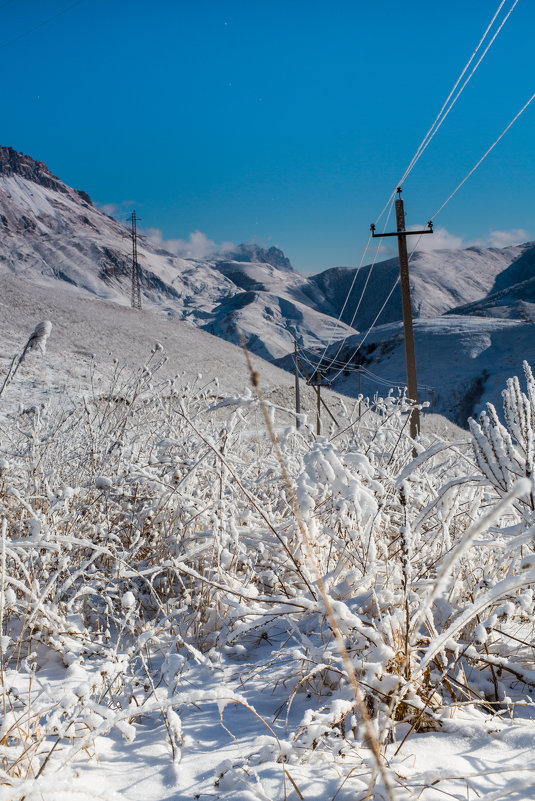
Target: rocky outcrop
255	253
14	163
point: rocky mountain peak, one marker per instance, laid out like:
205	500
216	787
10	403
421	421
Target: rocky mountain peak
251	252
15	163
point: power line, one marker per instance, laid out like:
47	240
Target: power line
389	382
441	116
437	123
363	292
349	294
372	265
363	340
447	106
363	370
484	156
40	25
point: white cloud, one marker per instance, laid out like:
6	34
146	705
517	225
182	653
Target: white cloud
442	239
108	208
384	250
117	210
502	239
198	246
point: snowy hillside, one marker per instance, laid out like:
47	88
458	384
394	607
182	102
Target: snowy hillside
54	233
91	338
514	302
441	280
462	361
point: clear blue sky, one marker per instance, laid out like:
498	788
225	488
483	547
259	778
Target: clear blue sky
282	122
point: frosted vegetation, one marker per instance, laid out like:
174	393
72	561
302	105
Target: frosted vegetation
157	526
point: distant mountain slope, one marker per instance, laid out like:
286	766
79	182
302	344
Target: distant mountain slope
441	280
516	302
521	269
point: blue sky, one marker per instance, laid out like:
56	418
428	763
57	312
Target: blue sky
284	123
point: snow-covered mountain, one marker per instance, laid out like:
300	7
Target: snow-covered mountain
441	281
513	293
51	232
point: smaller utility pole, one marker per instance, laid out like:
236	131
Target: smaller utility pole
410	359
310	382
360	385
297	390
136	285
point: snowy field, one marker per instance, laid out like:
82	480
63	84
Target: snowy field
199	602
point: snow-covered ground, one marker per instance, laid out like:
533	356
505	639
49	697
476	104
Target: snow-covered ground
163	630
89	334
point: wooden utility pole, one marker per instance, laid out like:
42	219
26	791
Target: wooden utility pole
297	390
318	408
360	385
136	286
410	359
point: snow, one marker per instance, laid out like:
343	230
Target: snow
162	635
462	361
164	715
441	281
53	236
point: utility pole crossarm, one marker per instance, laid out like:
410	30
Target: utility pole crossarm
402	233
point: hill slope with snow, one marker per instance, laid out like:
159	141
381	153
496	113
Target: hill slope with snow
462	361
441	280
92	337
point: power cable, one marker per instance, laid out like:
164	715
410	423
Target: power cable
40	25
363	340
364	288
387	382
363	370
484	156
441	116
349	293
438	121
372	265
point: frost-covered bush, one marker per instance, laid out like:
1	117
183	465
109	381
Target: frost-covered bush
152	525
505	453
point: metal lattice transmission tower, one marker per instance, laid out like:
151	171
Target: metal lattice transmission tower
136	285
